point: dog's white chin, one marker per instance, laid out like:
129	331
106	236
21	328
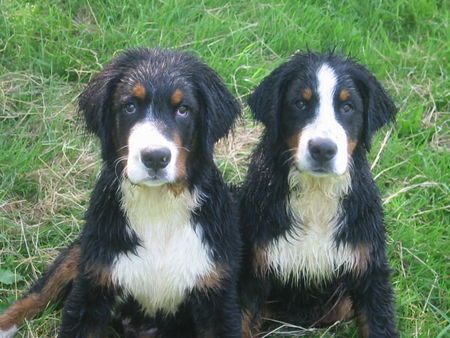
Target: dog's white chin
325	173
149	182
138	175
153	183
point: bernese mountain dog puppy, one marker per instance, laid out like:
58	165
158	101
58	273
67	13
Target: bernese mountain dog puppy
161	230
311	214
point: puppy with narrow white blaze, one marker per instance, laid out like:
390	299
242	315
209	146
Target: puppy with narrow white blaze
322	148
310	212
151	156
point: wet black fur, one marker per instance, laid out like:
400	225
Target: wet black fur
89	307
264	215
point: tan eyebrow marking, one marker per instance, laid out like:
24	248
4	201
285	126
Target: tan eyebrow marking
344	95
177	97
139	91
307	93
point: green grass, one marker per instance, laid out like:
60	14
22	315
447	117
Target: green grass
50	49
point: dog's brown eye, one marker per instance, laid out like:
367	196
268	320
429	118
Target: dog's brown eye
182	111
347	108
301	104
130	108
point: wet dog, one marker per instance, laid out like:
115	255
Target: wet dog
311	214
161	228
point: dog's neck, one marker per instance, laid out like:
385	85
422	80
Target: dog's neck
159	205
172	255
315	201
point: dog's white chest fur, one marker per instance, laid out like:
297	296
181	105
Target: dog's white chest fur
309	253
172	257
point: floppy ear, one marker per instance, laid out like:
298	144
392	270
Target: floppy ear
266	99
221	108
379	109
94	102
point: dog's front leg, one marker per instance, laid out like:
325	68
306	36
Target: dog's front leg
254	291
87	311
373	304
217	313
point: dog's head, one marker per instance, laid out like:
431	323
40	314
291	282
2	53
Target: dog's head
155	111
322	107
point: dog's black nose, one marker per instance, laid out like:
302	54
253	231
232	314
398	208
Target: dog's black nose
322	149
156	159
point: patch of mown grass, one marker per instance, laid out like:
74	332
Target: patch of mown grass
48	164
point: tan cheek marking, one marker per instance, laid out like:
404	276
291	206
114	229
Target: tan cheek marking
180	164
37	301
351	145
307	94
292	143
177	97
139	91
344	95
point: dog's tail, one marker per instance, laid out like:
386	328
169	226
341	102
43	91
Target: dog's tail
52	287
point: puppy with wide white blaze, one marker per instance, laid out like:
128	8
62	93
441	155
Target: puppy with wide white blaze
311	214
161	246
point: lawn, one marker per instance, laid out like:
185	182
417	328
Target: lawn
48	164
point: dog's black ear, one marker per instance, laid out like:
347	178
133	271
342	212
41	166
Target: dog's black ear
221	108
265	101
379	108
94	102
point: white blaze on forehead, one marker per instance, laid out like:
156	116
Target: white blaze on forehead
146	136
326	79
325	124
